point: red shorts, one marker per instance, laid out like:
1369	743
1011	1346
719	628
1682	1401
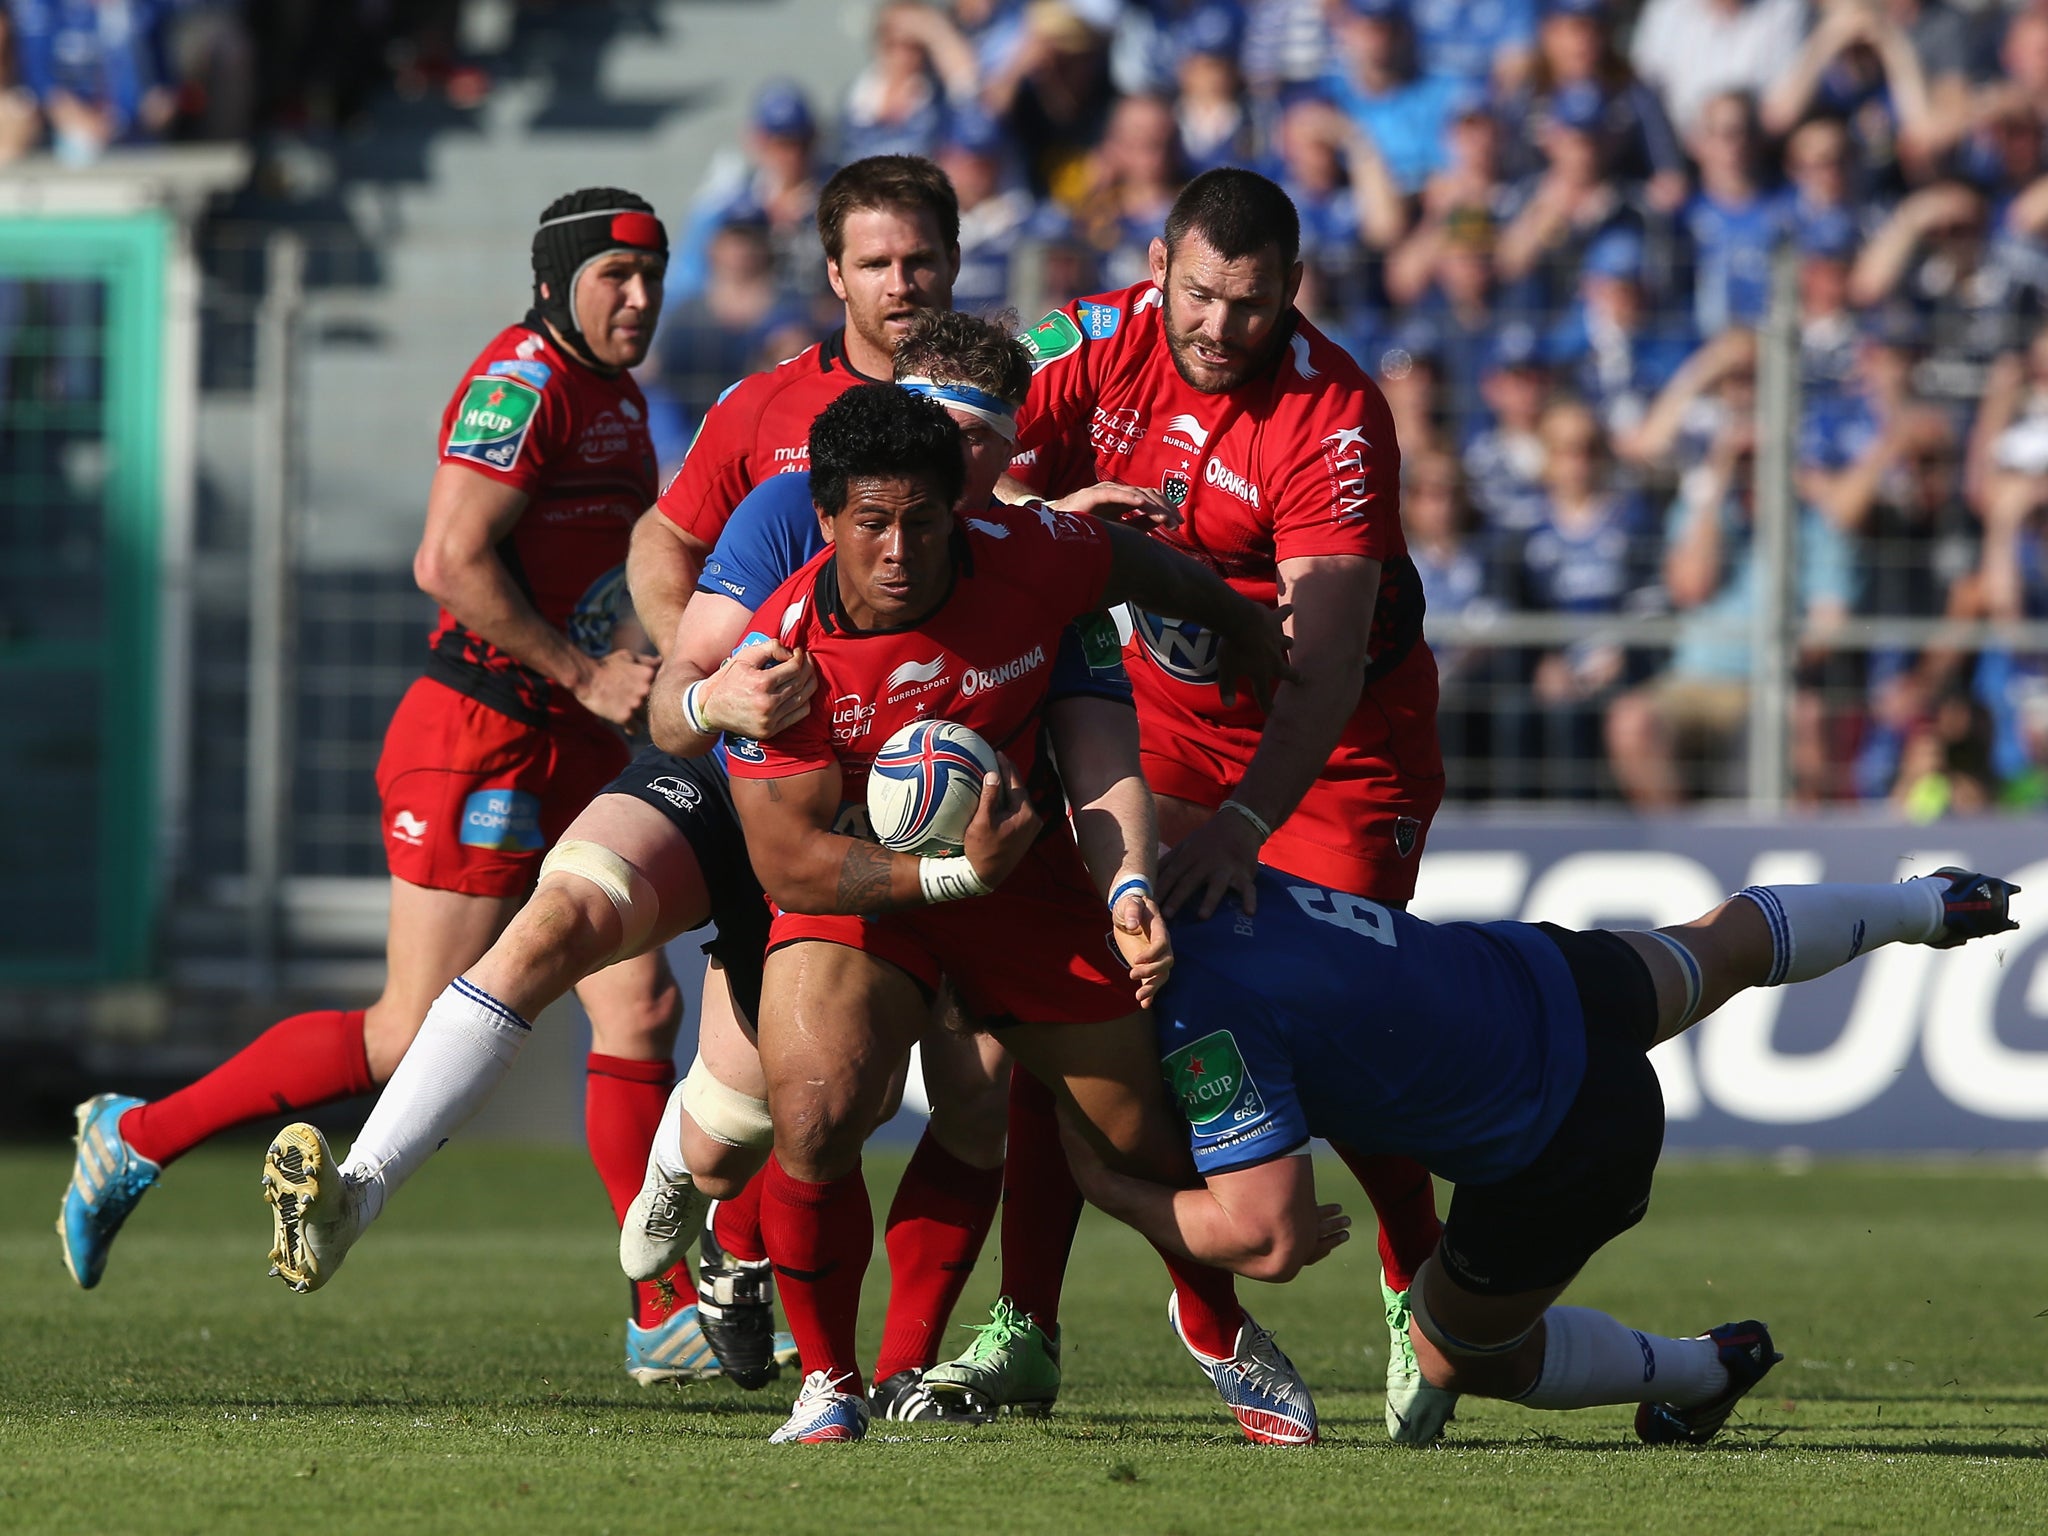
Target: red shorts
1362	825
1037	950
473	799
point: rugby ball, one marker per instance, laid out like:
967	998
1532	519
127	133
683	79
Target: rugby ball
925	785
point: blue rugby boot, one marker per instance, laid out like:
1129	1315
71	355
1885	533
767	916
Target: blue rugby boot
672	1351
1258	1384
824	1414
107	1177
1974	907
1746	1355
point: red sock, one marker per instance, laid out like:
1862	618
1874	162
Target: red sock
738	1224
1041	1203
300	1062
1210	1313
934	1234
820	1237
622	1104
1404	1199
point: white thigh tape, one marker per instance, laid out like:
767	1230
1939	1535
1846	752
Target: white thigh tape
627	889
725	1114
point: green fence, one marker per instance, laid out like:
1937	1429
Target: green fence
81	482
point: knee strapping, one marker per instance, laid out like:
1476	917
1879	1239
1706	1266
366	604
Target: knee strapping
1449	1343
725	1114
1689	968
629	891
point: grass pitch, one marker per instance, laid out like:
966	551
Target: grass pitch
465	1375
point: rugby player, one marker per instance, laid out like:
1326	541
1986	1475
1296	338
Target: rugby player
1279	453
912	614
659	853
1512	1059
545	462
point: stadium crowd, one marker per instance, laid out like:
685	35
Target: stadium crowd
1546	227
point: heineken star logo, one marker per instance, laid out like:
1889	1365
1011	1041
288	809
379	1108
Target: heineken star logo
1195	1067
496	396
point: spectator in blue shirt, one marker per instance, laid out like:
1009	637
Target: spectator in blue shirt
774	183
1504	463
1376	81
1211	105
996	214
1828	328
1138	171
1615	349
1576	49
897	105
96	68
1476	42
1733	222
1568	206
1587	553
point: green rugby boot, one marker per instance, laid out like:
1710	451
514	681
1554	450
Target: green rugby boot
1011	1367
1416	1411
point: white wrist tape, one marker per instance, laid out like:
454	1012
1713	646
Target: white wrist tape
693	709
951	879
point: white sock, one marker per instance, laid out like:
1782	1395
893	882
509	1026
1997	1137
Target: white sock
464	1049
1815	928
665	1157
1590	1359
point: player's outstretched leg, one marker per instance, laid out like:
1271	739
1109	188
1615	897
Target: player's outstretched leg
124	1143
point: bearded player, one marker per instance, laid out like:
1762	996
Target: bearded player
1206	383
914	615
545	462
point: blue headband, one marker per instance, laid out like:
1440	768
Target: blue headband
993	409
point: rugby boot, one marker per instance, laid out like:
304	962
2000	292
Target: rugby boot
315	1211
108	1177
1258	1384
1416	1411
823	1413
660	1225
674	1350
1012	1366
1974	907
1746	1355
736	1304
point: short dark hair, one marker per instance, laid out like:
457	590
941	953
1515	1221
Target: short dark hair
907	182
954	347
878	429
1237	213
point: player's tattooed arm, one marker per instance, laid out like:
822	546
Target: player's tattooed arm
803	863
1163	581
866	878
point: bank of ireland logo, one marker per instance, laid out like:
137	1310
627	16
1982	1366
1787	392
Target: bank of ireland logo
1210	1080
1184	650
492	421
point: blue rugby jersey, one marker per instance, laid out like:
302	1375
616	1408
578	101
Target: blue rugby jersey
1459	1044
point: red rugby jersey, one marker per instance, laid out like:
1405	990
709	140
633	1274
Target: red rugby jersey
575	440
1300	461
759	427
983	659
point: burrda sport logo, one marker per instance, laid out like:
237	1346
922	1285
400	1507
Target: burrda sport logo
980	679
912	678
